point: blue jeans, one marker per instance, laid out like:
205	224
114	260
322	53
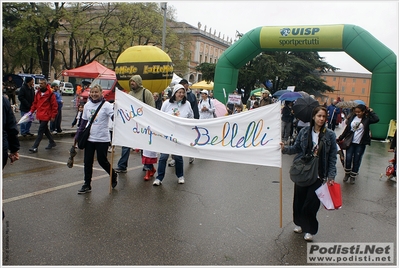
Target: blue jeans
122	163
25	127
354	153
162	166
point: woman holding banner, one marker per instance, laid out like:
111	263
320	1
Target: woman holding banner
177	105
314	139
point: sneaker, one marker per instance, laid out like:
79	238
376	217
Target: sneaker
191	160
172	163
157	182
85	189
33	150
118	170
29	134
51	145
180	180
308	237
54	132
298	229
70	162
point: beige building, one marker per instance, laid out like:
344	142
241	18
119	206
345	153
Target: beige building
347	86
206	46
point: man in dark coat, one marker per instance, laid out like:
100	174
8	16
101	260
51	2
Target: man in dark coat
191	98
26	96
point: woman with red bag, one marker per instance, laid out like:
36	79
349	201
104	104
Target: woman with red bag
320	140
359	122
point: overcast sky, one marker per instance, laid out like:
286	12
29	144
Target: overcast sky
379	18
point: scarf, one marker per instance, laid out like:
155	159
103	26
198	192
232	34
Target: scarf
96	101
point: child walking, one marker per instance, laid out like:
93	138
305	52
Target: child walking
149	158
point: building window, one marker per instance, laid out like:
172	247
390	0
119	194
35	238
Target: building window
353	90
344	79
334	78
354	80
363	90
206	58
343	89
364	81
200	59
333	87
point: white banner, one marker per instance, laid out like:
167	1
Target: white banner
250	137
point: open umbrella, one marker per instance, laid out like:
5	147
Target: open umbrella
257	92
303	93
303	108
290	96
360	102
346	104
203	85
220	108
278	93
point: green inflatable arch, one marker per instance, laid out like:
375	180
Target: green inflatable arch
355	41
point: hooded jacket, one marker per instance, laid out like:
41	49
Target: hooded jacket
45	105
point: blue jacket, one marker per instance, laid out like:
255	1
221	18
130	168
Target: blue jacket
327	154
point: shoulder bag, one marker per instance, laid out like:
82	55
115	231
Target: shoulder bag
84	135
304	171
346	142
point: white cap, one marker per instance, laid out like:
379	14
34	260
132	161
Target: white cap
205	91
176	88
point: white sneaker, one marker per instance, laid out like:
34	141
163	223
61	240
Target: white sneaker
191	160
298	229
180	180
308	237
172	163
157	182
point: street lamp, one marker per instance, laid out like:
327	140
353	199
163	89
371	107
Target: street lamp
164	7
50	55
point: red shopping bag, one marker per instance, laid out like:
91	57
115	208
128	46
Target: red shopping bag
335	193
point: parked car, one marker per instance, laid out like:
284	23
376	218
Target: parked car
108	86
66	88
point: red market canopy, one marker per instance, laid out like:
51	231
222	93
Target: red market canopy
91	70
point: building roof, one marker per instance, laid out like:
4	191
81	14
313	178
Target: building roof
347	74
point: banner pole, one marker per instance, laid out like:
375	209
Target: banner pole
281	197
110	172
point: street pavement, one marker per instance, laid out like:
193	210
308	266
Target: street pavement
225	213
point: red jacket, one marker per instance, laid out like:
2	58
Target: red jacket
45	105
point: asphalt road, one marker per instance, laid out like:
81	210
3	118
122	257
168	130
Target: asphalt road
225	214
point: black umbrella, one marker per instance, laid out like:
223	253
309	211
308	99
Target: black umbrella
303	108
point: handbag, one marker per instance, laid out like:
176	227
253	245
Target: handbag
346	142
304	171
324	196
84	135
330	195
335	193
